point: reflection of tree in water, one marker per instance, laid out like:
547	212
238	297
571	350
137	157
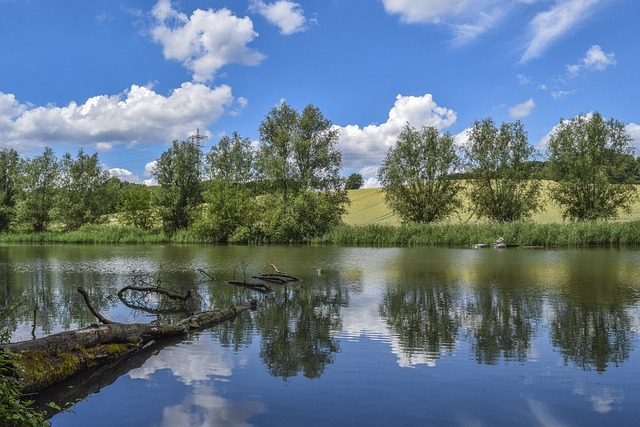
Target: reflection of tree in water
591	325
422	313
502	321
297	325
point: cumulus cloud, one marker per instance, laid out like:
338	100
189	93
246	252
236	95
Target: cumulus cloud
634	131
137	114
286	15
205	41
594	60
522	110
368	145
124	175
548	26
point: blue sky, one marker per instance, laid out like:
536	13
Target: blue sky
125	78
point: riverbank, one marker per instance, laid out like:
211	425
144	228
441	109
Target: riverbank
574	234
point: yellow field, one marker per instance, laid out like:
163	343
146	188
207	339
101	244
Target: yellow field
368	207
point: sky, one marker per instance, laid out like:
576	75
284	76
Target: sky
126	78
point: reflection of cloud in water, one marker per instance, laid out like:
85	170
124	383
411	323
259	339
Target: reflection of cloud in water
203	408
542	414
602	400
189	361
362	318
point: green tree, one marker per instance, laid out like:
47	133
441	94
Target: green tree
136	207
499	160
354	182
588	155
415	175
231	210
82	190
179	174
9	182
298	161
232	160
40	181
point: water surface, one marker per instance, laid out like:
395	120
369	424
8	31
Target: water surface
370	336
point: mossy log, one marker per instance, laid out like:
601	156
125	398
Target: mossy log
53	358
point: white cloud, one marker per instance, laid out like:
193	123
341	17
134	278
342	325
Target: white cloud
559	94
286	15
432	11
124	175
634	131
365	146
522	110
206	41
467	19
137	114
594	60
548	26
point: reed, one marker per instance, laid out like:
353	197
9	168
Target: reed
93	234
575	234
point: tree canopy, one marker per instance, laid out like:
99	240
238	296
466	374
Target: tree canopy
589	156
415	175
499	163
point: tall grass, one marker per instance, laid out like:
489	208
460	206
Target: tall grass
575	234
94	234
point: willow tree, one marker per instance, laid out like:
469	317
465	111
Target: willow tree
588	155
416	175
500	188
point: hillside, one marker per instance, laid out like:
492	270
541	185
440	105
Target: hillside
368	207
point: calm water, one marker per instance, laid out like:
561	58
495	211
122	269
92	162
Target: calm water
375	337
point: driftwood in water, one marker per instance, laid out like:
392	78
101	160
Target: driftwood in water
281	278
53	358
139	296
255	286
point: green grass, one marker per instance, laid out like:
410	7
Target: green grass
368	207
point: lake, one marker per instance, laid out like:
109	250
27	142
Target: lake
369	336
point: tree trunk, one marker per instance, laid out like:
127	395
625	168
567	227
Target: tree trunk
53	358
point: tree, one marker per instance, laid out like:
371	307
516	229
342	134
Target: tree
9	175
354	182
136	206
40	183
232	160
499	161
298	161
179	175
82	190
415	175
588	155
231	209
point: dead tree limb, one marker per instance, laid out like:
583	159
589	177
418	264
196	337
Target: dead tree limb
53	358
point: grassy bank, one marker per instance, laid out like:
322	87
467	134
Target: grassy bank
607	234
103	233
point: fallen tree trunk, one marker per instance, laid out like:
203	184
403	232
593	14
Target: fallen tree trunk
53	358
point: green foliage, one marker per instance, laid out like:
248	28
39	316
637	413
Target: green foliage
14	411
39	184
232	160
9	175
499	160
300	164
179	174
354	182
136	208
415	175
589	157
576	234
228	209
82	196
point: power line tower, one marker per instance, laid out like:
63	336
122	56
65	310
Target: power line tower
198	138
